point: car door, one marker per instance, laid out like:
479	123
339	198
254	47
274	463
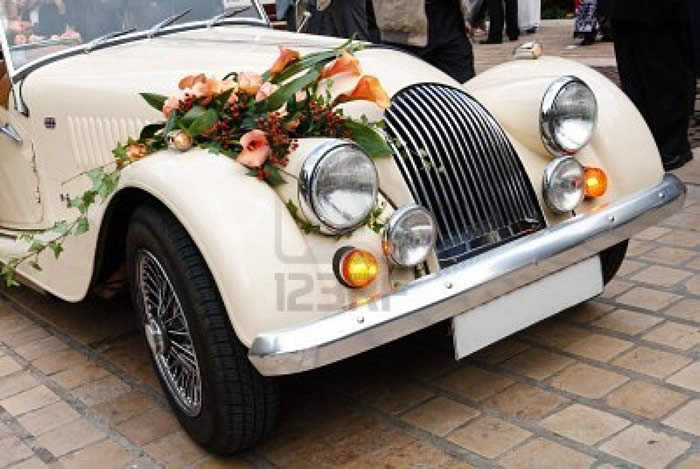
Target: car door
20	202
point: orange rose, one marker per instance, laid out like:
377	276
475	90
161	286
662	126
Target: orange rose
367	89
266	90
190	80
256	149
346	63
136	151
249	83
286	57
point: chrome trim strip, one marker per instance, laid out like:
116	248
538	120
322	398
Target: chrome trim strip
463	286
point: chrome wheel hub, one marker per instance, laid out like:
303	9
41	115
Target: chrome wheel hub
168	334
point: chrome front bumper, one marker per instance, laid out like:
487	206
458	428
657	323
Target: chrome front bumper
464	286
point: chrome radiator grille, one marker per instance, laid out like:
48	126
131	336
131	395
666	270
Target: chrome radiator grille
458	162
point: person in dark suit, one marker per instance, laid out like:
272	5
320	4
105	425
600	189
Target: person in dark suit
653	50
498	14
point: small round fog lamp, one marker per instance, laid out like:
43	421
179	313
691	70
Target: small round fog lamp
596	182
355	268
409	236
563	184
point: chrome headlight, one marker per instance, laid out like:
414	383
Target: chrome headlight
568	116
338	186
409	235
563	186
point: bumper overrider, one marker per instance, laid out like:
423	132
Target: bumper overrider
463	286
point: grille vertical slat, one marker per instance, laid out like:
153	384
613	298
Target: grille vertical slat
458	162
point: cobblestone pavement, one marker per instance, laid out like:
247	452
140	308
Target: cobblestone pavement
612	382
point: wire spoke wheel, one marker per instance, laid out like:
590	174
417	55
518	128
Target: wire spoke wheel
168	334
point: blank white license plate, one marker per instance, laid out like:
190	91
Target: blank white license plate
499	318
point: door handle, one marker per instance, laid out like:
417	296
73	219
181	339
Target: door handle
9	131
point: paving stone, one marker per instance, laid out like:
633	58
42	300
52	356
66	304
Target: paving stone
59	361
681	238
587	381
440	415
545	454
645	399
627	322
555	333
175	451
687	308
691	462
40	348
525	402
417	454
669	255
586	312
688	377
687	418
149	426
8	366
599	347
648	299
29	400
645	447
32	463
124	407
636	248
30	334
693	285
79	375
694	264
105	454
661	276
652	233
100	391
12	450
500	351
16	383
674	335
47	418
615	288
629	267
474	383
537	363
395	396
584	424
70	437
488	436
652	362
237	463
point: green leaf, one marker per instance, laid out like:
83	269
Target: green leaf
172	122
203	123
221	100
35	265
57	248
36	246
277	99
274	178
150	130
293	209
82	226
61	227
192	115
311	60
368	139
157	101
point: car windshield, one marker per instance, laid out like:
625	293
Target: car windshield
35	28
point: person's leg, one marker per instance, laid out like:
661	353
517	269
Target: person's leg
496	21
349	18
512	29
454	57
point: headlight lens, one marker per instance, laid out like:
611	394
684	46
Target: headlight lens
568	116
409	236
563	184
338	186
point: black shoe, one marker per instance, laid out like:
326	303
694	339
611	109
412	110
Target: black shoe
513	38
491	41
587	41
676	161
531	31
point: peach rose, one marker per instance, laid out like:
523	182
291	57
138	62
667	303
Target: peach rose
256	149
249	82
301	95
171	104
266	90
346	63
367	89
286	57
136	151
190	80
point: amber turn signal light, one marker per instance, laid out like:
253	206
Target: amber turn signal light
355	268
596	182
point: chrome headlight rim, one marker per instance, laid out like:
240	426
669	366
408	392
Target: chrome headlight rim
309	171
549	180
547	107
394	222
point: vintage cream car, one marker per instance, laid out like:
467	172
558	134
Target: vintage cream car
507	200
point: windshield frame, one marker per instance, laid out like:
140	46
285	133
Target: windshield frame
18	74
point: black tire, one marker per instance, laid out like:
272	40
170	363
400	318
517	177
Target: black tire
238	406
611	259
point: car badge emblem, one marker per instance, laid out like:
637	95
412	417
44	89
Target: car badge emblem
50	122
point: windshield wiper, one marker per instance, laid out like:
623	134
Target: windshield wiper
90	46
227	14
165	23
